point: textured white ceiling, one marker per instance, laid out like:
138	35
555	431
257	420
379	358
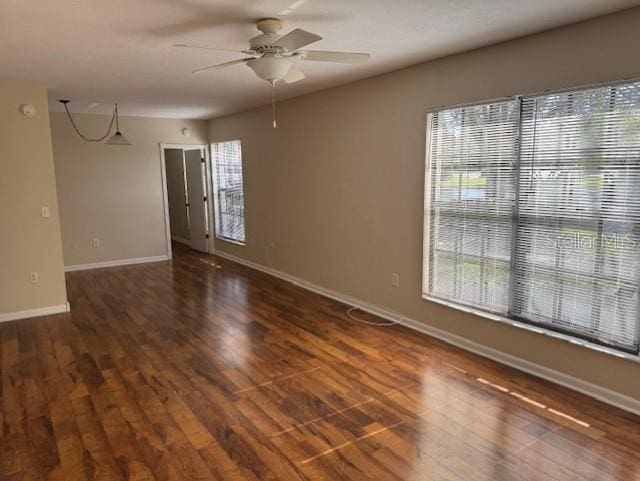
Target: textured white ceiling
95	52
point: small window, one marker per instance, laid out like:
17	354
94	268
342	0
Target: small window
228	190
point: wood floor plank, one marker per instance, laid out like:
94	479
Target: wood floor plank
16	456
202	369
42	443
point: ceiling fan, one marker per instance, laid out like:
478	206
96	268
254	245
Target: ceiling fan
274	58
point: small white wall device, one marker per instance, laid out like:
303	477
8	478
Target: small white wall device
28	110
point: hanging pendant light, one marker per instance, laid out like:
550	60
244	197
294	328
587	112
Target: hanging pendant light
118	138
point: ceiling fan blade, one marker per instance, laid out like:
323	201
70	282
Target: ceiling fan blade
184	45
338	57
294	75
296	39
222	65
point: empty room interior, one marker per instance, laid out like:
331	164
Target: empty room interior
320	240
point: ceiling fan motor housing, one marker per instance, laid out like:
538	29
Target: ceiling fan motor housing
263	42
269	28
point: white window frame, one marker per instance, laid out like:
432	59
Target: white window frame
215	189
531	327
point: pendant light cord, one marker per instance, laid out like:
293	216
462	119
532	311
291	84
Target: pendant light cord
114	118
117	122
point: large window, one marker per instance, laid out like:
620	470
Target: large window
229	194
532	211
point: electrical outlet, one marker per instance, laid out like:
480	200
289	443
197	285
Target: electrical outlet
74	245
44	210
34	278
95	242
395	279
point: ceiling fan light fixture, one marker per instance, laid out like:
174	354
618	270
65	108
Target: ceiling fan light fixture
271	67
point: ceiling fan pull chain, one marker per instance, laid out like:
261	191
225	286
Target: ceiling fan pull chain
273	104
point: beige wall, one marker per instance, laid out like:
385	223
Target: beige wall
28	242
174	161
338	187
113	192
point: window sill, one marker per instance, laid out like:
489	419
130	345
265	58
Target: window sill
231	241
536	329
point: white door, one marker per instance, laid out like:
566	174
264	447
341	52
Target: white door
196	194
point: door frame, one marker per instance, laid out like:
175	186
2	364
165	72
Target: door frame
165	194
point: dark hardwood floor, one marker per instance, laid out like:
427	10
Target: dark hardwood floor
201	369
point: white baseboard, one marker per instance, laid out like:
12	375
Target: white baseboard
605	395
38	312
182	240
119	262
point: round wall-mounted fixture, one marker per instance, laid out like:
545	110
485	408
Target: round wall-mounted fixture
28	110
186	132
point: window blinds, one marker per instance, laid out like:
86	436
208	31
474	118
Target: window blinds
469	200
229	193
533	211
576	258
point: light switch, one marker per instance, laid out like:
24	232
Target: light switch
45	211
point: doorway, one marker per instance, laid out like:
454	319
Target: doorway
187	203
